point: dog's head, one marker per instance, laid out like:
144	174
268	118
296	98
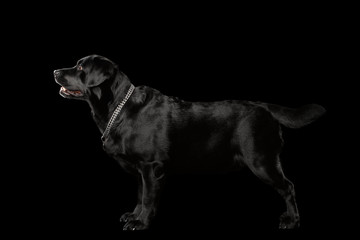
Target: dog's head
84	79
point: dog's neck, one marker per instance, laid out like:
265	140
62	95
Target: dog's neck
105	98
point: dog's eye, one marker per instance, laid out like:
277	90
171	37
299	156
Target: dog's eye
79	68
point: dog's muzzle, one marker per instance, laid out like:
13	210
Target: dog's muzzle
64	91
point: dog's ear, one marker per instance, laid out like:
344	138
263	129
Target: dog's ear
97	92
104	69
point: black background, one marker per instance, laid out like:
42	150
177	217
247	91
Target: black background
288	57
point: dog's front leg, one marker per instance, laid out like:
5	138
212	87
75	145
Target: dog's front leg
152	176
129	216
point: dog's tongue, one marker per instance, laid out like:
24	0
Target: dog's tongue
70	92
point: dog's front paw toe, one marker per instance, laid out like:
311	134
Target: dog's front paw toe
288	222
135	225
127	217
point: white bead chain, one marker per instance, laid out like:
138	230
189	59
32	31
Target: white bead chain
116	112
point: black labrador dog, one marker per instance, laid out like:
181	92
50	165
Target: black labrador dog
151	134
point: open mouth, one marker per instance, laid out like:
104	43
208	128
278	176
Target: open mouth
75	93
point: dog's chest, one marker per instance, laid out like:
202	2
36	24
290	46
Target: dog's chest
114	147
118	152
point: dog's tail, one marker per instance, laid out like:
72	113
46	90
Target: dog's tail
294	117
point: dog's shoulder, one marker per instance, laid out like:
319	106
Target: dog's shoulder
144	94
148	101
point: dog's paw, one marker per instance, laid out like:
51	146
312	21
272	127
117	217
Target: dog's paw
126	217
289	222
135	225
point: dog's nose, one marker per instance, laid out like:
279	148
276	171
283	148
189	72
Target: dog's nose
57	73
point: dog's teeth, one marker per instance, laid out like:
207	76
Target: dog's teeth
70	92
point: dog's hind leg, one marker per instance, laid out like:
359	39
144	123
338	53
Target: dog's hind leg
273	175
261	143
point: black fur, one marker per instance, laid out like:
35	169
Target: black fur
155	134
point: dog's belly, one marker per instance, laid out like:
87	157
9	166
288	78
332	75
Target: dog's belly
204	163
204	157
